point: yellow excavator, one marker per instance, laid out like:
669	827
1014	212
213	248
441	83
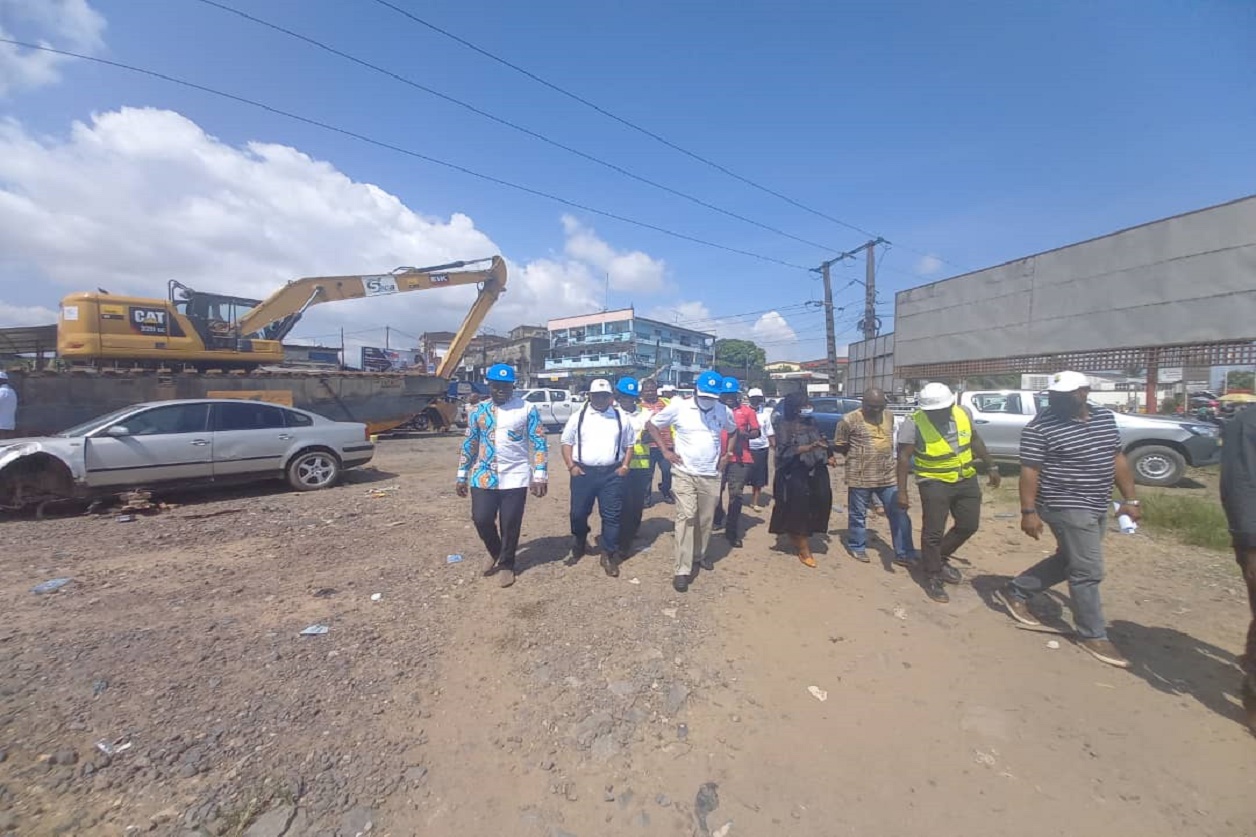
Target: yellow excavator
204	330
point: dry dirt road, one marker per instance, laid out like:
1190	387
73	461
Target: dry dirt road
573	704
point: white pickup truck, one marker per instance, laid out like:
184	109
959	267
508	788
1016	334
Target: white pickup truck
1159	448
554	405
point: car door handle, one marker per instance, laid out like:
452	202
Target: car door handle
285	436
982	421
200	442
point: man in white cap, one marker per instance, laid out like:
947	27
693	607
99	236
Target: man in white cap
939	444
8	407
760	446
1070	456
595	440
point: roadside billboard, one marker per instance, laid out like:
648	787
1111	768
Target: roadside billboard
387	360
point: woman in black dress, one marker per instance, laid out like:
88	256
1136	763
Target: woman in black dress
801	492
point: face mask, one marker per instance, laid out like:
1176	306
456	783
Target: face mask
806	411
706	402
874	413
1064	404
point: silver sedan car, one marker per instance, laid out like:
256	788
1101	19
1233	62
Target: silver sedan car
182	443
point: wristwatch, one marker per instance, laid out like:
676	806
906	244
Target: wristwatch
1133	503
1029	511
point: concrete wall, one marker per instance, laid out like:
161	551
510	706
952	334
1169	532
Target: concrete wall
1186	279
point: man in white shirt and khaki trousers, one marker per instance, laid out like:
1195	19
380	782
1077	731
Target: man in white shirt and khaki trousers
698	459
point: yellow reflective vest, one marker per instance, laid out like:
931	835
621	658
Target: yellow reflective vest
641	448
941	460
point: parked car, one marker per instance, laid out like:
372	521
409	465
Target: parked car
182	443
554	405
1159	448
829	411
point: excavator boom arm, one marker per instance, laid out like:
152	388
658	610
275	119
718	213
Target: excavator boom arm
489	292
290	301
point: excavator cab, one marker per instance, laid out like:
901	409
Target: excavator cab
214	315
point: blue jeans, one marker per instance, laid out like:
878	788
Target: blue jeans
900	522
604	485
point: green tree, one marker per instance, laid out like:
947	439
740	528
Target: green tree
739	354
1236	379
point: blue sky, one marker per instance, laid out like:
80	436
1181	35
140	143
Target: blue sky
973	131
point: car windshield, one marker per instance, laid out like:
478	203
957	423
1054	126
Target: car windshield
96	423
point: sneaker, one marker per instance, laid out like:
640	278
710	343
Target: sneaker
908	561
951	575
860	555
506	578
610	565
1104	651
1016	607
680	583
935	590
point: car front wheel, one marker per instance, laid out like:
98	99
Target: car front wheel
312	470
1157	465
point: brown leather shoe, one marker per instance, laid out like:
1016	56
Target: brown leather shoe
1104	651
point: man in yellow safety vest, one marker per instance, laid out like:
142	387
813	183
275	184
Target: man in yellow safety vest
635	468
939	444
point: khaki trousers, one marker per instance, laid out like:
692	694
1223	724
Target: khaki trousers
696	498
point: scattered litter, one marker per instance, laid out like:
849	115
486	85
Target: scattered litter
818	693
375	597
204	515
1105	685
453	559
113	748
707	800
634	581
125	518
396	523
98	687
988	759
381	492
315	630
682	732
669	612
723	830
1053	644
1005	516
324	592
52	585
837	507
900	612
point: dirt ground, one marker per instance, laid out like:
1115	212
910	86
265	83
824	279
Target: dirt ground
573	704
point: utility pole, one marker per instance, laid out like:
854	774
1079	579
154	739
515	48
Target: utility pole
829	331
870	291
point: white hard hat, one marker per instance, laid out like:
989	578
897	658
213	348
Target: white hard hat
1068	382
600	385
4	376
936	396
755	392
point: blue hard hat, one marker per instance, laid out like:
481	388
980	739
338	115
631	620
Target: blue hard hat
710	382
501	373
628	386
730	384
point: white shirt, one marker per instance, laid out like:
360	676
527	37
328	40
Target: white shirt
510	439
8	407
697	439
766	430
603	438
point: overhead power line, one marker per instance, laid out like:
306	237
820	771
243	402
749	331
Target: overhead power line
400	150
515	126
634	126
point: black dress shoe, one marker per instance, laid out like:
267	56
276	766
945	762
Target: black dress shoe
680	583
610	564
735	541
579	549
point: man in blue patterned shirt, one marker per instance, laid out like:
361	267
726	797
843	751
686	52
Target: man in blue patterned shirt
497	468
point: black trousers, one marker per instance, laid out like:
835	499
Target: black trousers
498	517
665	469
938	500
736	475
636	489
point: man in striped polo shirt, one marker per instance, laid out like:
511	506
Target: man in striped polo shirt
1070	455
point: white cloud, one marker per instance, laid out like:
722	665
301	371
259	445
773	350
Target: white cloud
774	333
25	315
691	314
928	265
66	24
629	271
140	196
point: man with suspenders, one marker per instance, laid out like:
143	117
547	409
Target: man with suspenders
594	442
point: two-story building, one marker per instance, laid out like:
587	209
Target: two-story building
611	344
